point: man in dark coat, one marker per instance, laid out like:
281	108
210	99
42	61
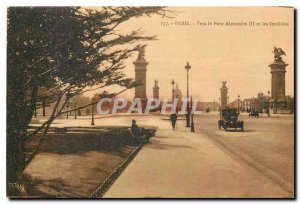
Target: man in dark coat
173	119
141	133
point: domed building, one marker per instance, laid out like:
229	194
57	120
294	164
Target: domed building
177	93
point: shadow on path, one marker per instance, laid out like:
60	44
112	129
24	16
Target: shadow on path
155	144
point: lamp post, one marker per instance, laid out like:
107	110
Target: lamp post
75	117
93	119
173	91
177	104
192	122
67	110
44	107
68	103
187	67
220	106
228	101
268	103
92	123
238	102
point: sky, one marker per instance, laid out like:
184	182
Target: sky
238	54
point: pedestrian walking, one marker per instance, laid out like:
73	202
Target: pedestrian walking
173	119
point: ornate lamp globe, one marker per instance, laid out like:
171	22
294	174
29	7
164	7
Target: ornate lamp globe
187	66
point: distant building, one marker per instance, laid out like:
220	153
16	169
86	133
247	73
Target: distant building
208	106
262	102
177	93
246	104
237	104
258	104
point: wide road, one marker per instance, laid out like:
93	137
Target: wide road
267	145
211	163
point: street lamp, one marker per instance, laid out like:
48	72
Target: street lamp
268	103
92	123
68	103
93	105
187	67
192	123
220	106
67	110
44	106
75	117
177	103
173	82
238	102
228	101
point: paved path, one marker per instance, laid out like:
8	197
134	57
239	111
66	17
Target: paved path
184	164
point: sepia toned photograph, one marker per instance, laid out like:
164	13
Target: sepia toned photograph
152	102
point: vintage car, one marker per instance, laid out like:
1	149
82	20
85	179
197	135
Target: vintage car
254	114
229	119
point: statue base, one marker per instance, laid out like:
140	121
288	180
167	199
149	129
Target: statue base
280	107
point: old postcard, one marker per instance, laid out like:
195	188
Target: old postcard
150	102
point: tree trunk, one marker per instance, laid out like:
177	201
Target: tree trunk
16	151
19	115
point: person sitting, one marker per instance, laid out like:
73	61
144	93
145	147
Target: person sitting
141	133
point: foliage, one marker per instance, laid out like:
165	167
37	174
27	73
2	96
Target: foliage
64	50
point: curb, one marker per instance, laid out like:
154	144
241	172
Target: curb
109	181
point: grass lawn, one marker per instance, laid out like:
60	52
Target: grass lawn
74	164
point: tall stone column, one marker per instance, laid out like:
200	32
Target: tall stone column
224	91
140	76
156	90
278	82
